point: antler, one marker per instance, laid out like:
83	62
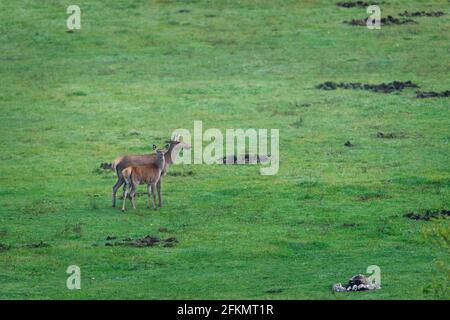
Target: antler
175	137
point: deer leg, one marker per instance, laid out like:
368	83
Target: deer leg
158	187
154	196
149	189
120	181
133	196
125	198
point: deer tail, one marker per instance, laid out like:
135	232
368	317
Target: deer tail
115	164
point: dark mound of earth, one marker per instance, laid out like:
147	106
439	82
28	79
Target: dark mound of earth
246	159
428	215
432	94
147	241
348	144
40	244
352	4
382	135
181	174
383	87
170	242
389	20
356	283
422	14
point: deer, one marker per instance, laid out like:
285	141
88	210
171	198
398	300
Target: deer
173	148
148	174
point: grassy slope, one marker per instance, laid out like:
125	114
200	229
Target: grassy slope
70	101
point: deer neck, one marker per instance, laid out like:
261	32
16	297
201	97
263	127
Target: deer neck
160	163
172	150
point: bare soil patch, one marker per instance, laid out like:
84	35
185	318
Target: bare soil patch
428	215
389	20
432	94
348	144
391	135
358	4
349	225
40	244
274	290
247	159
422	14
382	135
147	241
382	87
181	174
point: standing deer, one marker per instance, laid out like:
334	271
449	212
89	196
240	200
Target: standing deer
174	146
148	174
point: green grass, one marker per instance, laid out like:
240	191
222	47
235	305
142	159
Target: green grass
139	69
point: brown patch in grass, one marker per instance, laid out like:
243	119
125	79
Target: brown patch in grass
428	215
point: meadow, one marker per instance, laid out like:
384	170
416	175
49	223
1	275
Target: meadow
137	70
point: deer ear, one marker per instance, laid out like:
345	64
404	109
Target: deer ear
154	147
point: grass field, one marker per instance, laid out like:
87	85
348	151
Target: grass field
139	69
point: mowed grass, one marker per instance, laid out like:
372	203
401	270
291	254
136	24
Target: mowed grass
137	70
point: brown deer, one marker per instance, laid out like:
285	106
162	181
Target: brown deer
174	146
148	174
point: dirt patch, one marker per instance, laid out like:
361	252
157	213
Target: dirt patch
389	20
181	174
147	241
349	225
39	244
358	4
382	135
382	87
247	159
274	290
170	242
356	283
422	14
432	94
348	144
4	247
428	215
390	135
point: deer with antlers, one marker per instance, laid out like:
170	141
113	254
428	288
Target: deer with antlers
173	148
